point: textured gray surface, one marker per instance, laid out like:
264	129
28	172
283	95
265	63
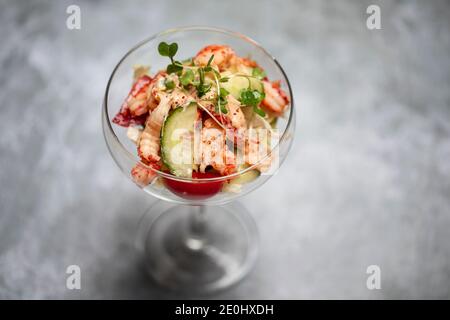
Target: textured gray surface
367	182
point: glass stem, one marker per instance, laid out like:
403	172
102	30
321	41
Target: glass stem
197	228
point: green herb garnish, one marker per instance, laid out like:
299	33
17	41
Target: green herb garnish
174	68
202	87
224	92
187	77
222	101
258	73
252	98
169	84
210	60
169	50
259	111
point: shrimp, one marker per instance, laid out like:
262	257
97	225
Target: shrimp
134	108
248	62
235	113
155	88
148	148
258	148
222	56
149	142
137	99
276	99
179	98
142	176
214	150
233	119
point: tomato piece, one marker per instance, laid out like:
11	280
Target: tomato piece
195	190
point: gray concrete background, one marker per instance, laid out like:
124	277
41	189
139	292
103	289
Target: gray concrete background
367	182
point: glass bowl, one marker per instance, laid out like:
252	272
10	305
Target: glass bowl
196	245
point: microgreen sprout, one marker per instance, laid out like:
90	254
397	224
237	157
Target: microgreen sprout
202	87
252	98
187	78
169	84
258	73
222	100
169	50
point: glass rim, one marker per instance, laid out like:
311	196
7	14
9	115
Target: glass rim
138	161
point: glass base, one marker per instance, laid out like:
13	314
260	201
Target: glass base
198	249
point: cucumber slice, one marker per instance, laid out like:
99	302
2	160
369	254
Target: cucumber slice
238	83
176	135
245	177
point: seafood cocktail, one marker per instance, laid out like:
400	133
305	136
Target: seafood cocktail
208	116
